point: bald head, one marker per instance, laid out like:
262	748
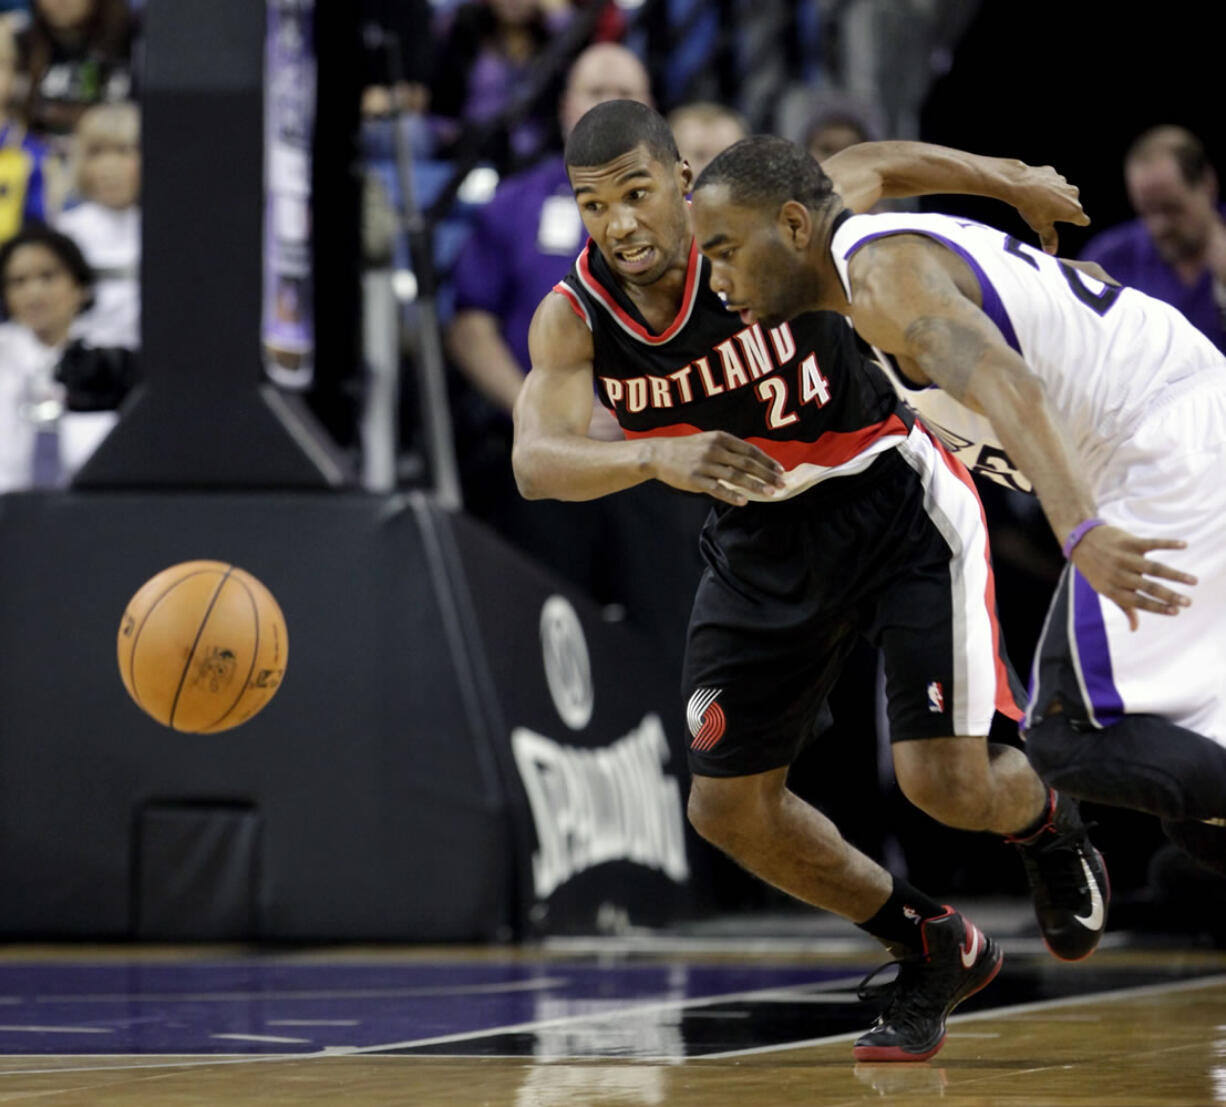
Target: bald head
602	72
1173	188
1169	141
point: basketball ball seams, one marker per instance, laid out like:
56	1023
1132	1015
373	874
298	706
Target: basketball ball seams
195	643
255	653
141	626
183	635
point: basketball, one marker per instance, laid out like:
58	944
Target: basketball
202	647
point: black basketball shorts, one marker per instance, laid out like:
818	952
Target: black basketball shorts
897	554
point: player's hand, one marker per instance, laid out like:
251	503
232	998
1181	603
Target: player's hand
1114	563
1044	199
717	463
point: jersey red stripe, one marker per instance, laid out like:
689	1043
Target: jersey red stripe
573	300
683	312
1005	703
833	448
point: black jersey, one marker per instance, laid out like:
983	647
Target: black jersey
803	392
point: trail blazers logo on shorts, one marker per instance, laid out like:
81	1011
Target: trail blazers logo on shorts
936	697
705	718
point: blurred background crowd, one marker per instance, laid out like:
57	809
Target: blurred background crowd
439	130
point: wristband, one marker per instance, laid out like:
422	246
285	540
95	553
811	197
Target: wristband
1078	533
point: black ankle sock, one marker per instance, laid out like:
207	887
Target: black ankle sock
1023	836
897	923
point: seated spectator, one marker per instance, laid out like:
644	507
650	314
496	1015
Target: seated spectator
74	53
106	223
57	395
1176	249
22	157
703	129
488	50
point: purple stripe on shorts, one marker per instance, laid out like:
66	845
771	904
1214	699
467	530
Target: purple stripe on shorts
1094	653
992	305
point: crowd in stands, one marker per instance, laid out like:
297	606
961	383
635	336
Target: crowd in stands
69	231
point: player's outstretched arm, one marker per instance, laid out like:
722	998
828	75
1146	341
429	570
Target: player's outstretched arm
554	458
869	171
907	299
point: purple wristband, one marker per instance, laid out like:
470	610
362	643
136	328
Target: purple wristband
1078	533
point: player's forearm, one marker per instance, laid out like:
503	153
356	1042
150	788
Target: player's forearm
1027	428
574	467
479	351
919	168
973	366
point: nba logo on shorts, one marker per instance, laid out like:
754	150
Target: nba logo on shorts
936	698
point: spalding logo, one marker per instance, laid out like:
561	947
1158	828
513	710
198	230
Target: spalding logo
216	668
568	670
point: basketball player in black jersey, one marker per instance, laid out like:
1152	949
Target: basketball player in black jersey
836	516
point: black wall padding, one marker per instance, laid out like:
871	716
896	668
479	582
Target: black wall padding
196	871
374	798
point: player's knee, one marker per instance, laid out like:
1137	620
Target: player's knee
722	811
952	791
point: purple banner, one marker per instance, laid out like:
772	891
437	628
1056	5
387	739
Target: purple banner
288	328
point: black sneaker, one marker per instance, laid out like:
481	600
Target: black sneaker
1068	881
958	960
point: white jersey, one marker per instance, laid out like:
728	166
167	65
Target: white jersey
1141	397
1108	356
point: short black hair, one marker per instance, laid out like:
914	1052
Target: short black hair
764	171
63	247
616	127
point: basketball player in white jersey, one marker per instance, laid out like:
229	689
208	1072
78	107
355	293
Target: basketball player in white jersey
1108	402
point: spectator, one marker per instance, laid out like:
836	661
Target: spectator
74	53
22	158
836	121
525	239
106	224
1176	249
488	51
57	395
703	128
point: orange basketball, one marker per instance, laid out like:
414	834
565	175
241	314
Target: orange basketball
202	646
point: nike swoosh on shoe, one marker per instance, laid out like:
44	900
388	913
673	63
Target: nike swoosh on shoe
1094	920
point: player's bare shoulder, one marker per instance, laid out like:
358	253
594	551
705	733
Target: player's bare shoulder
559	336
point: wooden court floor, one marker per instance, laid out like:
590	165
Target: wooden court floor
501	1028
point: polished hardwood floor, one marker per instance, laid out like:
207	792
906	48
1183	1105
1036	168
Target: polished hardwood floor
540	1028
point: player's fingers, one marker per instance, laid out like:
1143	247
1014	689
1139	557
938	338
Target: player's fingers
736	478
1144	545
1147	603
1157	569
761	468
719	490
739	447
1049	238
1165	596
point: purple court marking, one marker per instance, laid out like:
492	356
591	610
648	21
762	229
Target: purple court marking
268	1005
1106	705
